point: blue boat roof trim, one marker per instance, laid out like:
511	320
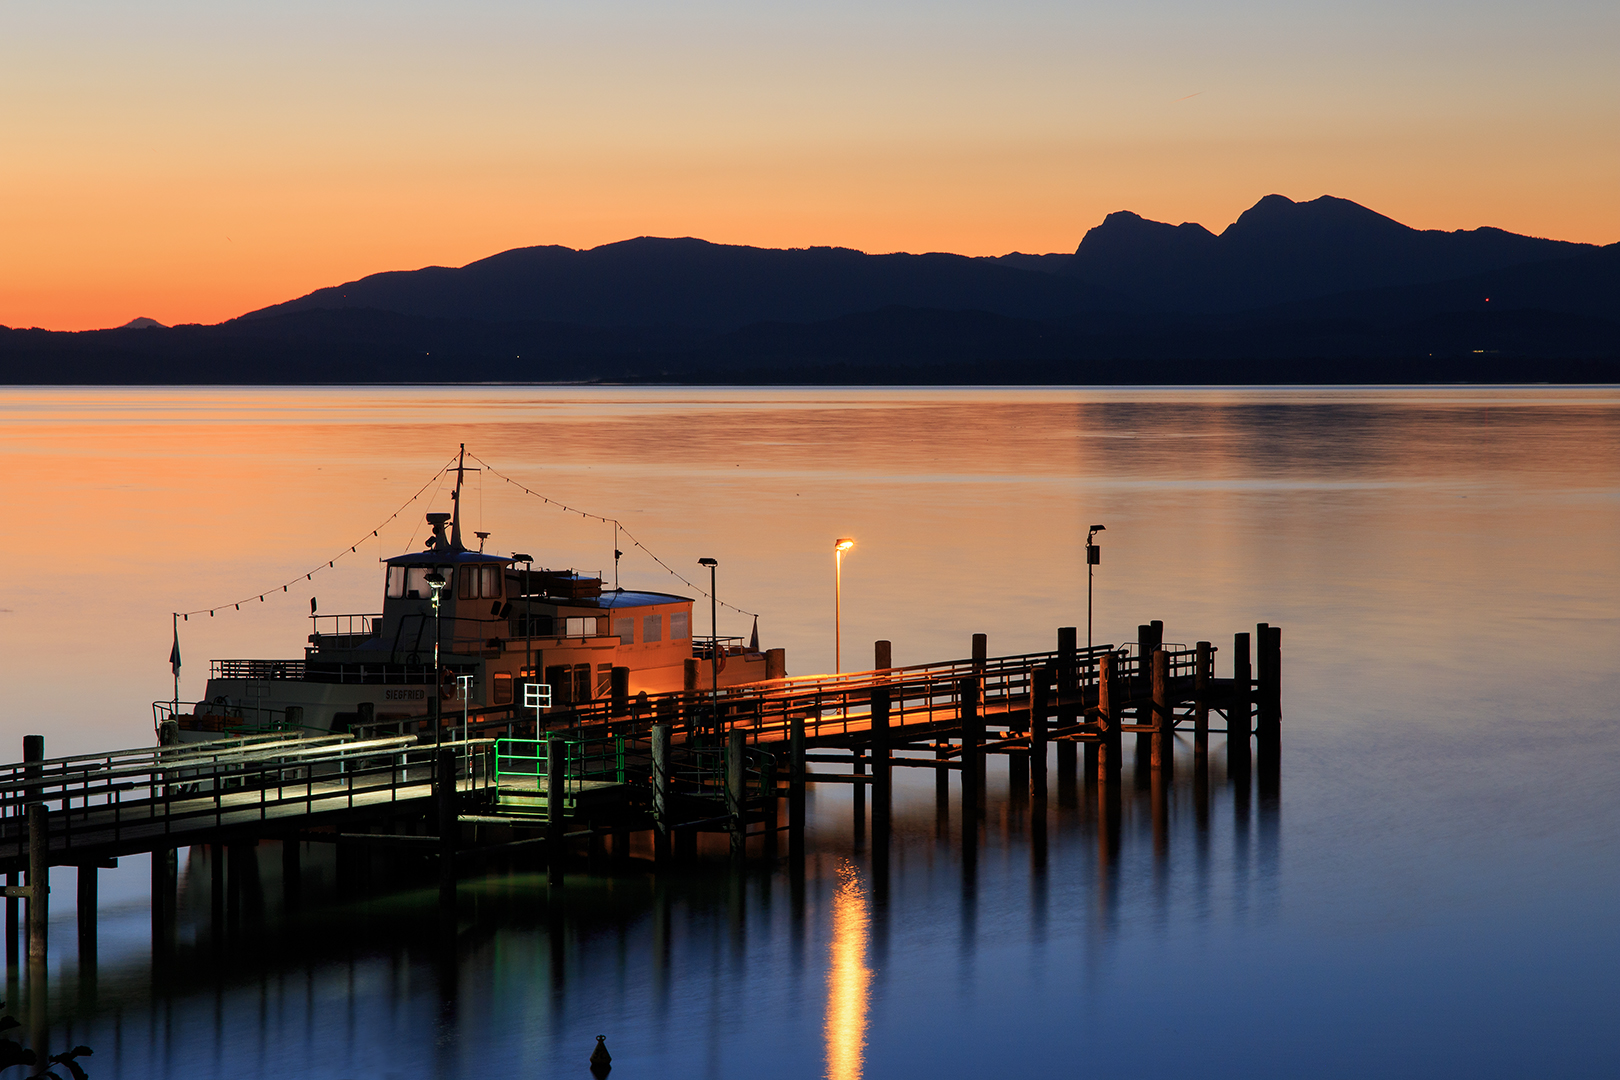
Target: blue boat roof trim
627	599
446	558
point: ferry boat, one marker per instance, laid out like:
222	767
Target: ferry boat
494	628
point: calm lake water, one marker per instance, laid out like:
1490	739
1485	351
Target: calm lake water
1435	894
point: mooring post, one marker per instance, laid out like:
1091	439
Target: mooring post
736	795
882	768
857	757
689	695
88	902
882	655
1268	714
971	736
660	779
556	796
1040	705
1068	711
1237	712
796	783
216	887
39	884
981	650
1164	716
448	826
11	921
33	754
1111	747
1203	662
165	872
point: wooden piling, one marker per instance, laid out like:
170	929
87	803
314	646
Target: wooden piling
88	902
216	888
858	793
736	794
1164	717
1068	691
556	796
1110	747
660	779
11	921
796	787
165	882
882	656
1268	711
882	769
972	736
1203	663
981	650
1238	710
1040	705
39	884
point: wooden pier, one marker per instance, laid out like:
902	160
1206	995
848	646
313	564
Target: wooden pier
667	767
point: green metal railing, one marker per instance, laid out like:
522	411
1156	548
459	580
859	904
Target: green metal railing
524	760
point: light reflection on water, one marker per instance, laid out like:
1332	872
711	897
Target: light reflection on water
847	977
1432	895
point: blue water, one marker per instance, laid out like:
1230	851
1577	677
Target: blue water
1431	896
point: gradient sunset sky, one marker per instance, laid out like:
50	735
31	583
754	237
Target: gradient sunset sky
190	161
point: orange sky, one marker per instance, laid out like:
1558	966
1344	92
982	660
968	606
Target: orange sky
190	162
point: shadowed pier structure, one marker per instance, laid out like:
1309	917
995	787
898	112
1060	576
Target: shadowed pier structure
664	768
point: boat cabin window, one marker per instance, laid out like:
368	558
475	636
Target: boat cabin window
625	630
502	688
586	627
680	625
409	581
652	628
480	582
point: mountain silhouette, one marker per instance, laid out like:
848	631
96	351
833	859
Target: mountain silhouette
1280	251
1318	291
693	284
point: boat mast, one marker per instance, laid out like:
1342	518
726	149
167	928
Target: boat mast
455	501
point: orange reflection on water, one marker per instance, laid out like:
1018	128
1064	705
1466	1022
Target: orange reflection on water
848	978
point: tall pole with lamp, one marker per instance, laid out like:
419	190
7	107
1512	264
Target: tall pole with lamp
714	644
841	545
1093	558
436	582
528	620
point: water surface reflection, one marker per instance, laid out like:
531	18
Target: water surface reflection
847	977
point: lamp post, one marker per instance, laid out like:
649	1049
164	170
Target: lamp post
714	644
436	582
1093	558
841	545
528	622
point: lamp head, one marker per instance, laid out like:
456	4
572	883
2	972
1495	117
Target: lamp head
708	562
1099	528
520	557
843	543
436	581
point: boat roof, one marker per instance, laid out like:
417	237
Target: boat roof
624	598
433	557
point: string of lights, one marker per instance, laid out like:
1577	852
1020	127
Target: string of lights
330	564
616	523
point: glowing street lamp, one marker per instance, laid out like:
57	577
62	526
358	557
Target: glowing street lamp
841	545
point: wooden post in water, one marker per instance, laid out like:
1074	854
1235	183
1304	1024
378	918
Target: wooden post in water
1111	747
735	793
971	736
445	775
165	872
857	758
1237	712
39	885
216	889
1203	669
660	779
1040	707
796	784
690	695
1268	712
556	797
882	655
981	650
1141	691
1164	717
88	902
11	922
1067	713
882	770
